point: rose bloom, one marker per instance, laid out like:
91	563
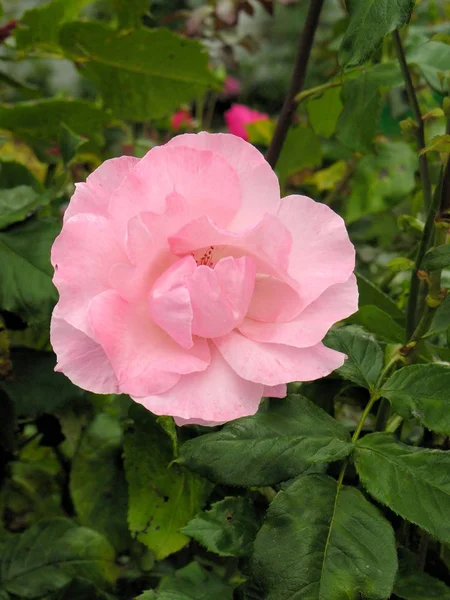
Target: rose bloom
186	282
181	119
239	115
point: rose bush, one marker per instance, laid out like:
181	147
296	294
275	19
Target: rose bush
187	283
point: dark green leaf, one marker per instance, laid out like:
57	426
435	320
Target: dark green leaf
364	355
381	179
436	258
301	149
81	589
49	554
414	584
370	294
162	498
130	12
39	27
98	459
228	528
34	386
25	90
412	481
370	21
40	121
70	143
421	392
144	75
321	541
26	282
324	111
13	174
282	440
378	322
190	583
19	203
441	318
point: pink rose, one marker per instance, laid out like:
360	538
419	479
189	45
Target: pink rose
238	116
187	283
181	119
232	86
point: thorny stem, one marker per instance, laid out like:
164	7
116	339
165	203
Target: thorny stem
424	177
297	81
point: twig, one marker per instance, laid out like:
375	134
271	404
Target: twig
297	81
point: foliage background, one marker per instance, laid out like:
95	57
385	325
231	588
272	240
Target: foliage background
100	499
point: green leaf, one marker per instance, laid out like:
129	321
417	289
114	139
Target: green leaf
323	112
282	440
370	294
414	584
39	27
144	75
34	386
378	322
49	554
162	498
321	540
228	528
436	258
130	12
400	263
40	121
98	459
14	174
439	143
433	59
26	282
412	481
27	91
18	203
190	583
381	179
301	149
70	143
421	392
370	21
441	318
364	355
81	589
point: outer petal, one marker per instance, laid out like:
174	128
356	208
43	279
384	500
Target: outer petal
82	256
93	196
259	184
81	359
322	253
310	326
145	359
272	364
212	397
206	180
275	391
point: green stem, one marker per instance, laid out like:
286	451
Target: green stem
317	90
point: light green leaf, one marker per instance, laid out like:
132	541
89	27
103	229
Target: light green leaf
433	59
441	318
228	528
49	554
26	282
414	584
36	388
440	143
40	121
98	459
301	149
436	258
143	75
323	112
371	295
412	481
324	541
162	498
400	263
370	21
282	440
421	392
378	322
190	583
381	179
18	203
39	27
364	355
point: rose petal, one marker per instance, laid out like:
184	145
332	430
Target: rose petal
273	364
212	397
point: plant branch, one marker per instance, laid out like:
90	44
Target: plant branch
297	81
420	130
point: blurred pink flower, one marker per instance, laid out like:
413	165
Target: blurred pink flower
239	115
182	119
185	281
232	86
